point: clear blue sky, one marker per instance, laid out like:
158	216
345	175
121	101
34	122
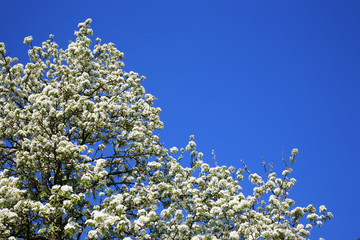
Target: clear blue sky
248	78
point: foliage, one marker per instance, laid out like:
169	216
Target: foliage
79	158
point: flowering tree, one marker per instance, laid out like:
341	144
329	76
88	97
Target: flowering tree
79	158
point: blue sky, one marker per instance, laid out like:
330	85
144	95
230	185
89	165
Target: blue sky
247	78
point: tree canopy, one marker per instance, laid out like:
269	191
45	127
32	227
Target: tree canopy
79	159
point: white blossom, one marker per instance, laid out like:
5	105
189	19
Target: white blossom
234	235
294	151
174	150
28	40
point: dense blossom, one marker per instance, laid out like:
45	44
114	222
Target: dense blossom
79	157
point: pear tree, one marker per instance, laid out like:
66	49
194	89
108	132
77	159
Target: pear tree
79	159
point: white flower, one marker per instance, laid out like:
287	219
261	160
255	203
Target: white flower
312	216
322	209
215	211
66	188
191	145
67	203
173	150
294	151
70	225
183	228
243	204
234	235
102	147
141	221
164	213
155	165
179	214
28	39
92	234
